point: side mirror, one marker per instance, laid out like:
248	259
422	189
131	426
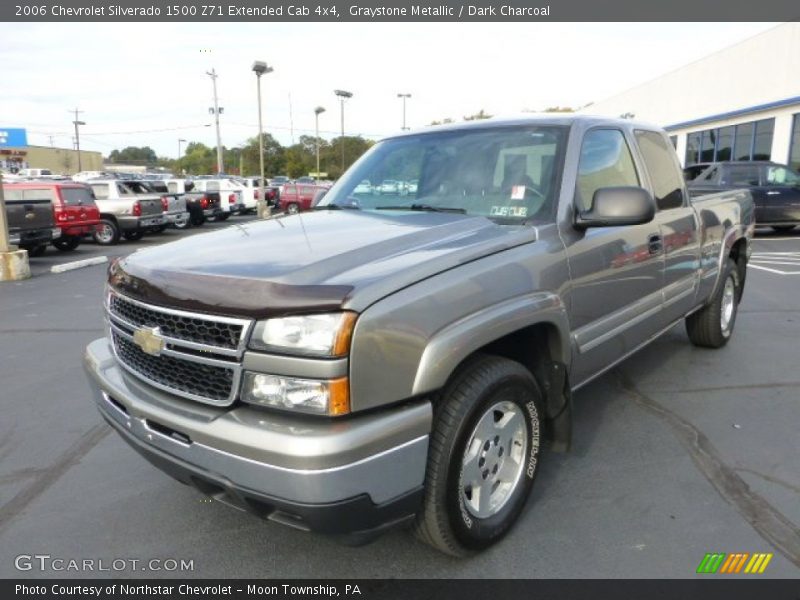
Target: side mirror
615	206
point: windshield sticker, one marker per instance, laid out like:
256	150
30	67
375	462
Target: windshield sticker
518	192
509	211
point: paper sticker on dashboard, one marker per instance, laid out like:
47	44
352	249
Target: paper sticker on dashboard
508	211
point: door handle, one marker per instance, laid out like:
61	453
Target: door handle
654	243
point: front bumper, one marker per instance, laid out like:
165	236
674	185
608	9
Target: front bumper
337	476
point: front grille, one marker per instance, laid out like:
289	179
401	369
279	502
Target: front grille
194	328
191	378
200	357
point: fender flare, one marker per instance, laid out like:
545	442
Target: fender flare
452	344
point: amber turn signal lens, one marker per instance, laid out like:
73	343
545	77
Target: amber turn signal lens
339	397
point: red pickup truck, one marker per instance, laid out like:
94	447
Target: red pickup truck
74	210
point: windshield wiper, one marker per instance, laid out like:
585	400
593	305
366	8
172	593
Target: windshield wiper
336	207
424	207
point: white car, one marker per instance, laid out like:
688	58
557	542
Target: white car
365	187
230	195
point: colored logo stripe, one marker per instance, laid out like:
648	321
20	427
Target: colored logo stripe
710	563
720	562
758	564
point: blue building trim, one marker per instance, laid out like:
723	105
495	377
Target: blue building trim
736	113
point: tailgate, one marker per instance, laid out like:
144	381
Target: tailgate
28	210
151	205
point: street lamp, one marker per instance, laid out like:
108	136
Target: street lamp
317	112
180	141
260	68
404	97
343	95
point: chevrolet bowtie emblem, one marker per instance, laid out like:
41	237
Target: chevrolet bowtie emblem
149	340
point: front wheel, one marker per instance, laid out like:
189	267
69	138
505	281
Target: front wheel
133	236
483	456
712	326
293	209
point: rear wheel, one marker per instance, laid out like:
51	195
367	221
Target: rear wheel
483	456
159	229
712	326
223	217
107	233
197	220
133	236
67	243
185	224
37	250
292	209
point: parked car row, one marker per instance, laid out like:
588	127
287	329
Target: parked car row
775	188
387	187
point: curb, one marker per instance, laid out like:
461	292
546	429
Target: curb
78	264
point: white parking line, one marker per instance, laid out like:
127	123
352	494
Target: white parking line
77	264
760	260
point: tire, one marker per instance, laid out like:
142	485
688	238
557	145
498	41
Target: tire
159	229
107	233
183	224
222	217
453	518
38	250
133	236
292	208
712	326
197	220
67	243
782	228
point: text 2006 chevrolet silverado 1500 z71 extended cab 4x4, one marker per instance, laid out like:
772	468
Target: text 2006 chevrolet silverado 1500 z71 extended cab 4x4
386	359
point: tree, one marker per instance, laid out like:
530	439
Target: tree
442	122
133	154
478	116
199	159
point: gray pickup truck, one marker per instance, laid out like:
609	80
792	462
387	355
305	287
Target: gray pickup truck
403	359
123	212
31	224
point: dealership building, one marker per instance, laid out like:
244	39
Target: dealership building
741	103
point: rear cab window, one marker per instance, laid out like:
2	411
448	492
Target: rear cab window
741	175
73	196
662	167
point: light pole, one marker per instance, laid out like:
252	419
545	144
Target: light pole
404	97
180	141
216	110
317	111
260	68
343	95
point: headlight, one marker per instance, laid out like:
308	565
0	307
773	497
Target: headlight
315	335
313	396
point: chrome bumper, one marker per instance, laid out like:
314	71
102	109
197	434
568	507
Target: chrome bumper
302	460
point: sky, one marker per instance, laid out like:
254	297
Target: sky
141	84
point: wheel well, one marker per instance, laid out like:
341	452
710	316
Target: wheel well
108	216
539	349
739	255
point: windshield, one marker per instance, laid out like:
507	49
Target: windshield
507	174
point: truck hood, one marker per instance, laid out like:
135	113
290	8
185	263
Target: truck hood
319	261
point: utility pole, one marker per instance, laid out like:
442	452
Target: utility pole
343	95
180	141
404	97
77	123
317	112
216	110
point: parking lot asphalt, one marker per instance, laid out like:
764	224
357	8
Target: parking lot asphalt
677	452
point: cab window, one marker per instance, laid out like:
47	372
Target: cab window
662	167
